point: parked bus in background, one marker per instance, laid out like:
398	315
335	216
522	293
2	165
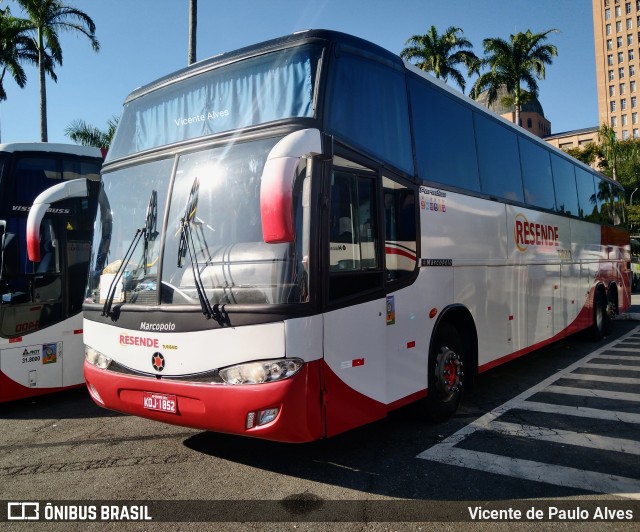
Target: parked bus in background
41	347
308	233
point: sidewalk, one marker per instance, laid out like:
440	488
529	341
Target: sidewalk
633	312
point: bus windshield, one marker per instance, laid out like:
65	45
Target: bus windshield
262	89
213	234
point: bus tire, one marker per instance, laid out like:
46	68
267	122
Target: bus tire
601	320
612	308
446	374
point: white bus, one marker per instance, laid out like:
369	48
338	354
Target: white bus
41	347
308	233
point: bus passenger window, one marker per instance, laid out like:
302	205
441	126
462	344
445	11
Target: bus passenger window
604	196
400	230
564	182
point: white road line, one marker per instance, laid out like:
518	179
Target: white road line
599	394
618	357
447	453
603	378
611	366
567	437
535	471
579	411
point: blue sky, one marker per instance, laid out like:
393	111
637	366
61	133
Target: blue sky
142	40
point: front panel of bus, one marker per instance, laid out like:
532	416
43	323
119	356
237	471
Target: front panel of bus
40	311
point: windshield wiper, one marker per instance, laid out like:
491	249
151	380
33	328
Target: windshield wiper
144	232
150	228
186	244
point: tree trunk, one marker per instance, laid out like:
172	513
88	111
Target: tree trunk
193	27
43	91
517	114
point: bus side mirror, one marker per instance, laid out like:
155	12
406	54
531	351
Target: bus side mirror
77	188
276	184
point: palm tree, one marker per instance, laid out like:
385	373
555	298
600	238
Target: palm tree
15	48
511	64
193	27
441	54
611	148
86	135
48	18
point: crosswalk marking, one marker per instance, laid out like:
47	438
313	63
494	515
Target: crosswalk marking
589	365
619	357
536	471
448	452
580	411
599	394
603	378
568	437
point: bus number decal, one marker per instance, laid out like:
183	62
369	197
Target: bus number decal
30	355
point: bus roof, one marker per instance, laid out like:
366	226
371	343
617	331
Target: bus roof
347	41
264	47
51	147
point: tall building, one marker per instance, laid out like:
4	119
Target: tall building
616	29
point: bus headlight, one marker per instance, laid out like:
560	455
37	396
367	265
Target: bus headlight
261	371
96	357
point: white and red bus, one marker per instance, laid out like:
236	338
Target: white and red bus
41	347
308	233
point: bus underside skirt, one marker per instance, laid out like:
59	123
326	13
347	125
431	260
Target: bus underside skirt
10	390
345	408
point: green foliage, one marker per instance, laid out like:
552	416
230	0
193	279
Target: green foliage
47	18
633	215
620	158
441	54
87	135
512	64
587	154
16	48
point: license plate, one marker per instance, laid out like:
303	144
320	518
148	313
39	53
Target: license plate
160	401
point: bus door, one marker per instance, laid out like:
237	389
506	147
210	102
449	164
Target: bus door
354	321
406	338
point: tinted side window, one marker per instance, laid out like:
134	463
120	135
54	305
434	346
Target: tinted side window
498	159
73	169
586	195
618	198
354	262
368	107
564	181
605	201
536	175
400	229
3	162
444	138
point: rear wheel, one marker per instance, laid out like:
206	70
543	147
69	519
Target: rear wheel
446	373
601	319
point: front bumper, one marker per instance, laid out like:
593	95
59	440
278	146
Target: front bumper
218	407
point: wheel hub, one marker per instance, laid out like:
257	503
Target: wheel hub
448	373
